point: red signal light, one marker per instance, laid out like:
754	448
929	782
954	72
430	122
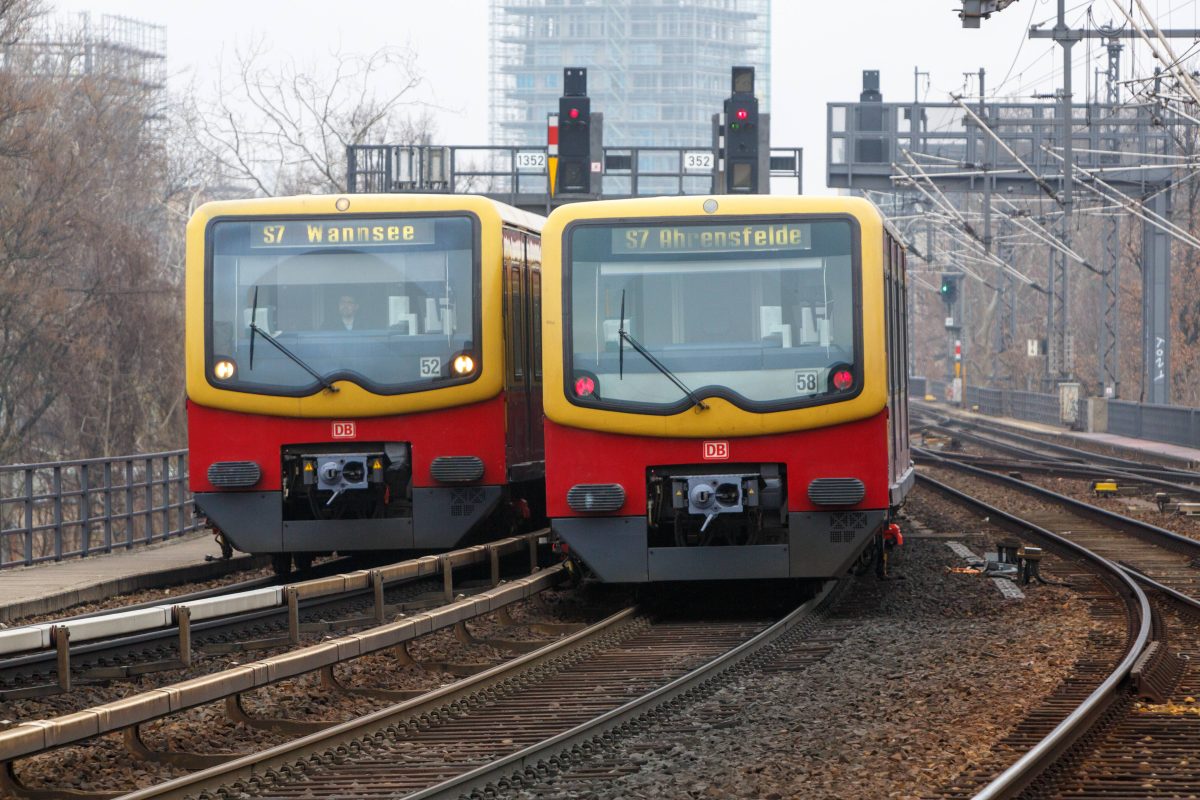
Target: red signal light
743	114
843	380
584	386
573	113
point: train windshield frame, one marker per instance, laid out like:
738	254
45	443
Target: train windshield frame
765	312
385	301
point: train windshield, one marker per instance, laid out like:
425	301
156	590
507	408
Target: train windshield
763	313
389	303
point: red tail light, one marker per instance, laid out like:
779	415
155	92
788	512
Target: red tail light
584	386
843	379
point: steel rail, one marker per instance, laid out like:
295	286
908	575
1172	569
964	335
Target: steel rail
529	757
1153	532
38	736
168	637
1038	758
1069	468
1108	516
1081	454
248	766
322	570
1077	456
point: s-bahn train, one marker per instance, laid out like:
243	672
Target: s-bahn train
725	386
363	372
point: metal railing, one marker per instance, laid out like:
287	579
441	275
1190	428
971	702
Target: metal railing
1173	424
1034	407
65	509
865	139
1030	406
1159	423
513	173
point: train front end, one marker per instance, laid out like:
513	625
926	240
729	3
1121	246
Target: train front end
716	387
344	371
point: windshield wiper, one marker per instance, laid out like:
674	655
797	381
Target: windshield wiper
624	336
254	329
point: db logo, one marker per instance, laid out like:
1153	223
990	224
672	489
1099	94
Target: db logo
716	451
344	430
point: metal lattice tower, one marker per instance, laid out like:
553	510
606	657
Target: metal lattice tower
657	69
123	48
1110	312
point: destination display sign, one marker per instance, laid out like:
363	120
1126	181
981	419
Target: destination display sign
340	233
746	237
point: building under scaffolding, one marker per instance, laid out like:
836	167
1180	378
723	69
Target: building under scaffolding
657	69
79	44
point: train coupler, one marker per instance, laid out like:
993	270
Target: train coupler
891	539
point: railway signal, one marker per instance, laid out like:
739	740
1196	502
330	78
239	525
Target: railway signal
574	134
949	288
741	134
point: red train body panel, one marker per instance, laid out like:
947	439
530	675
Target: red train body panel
576	456
477	430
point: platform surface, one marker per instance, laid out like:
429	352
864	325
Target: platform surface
1176	451
52	586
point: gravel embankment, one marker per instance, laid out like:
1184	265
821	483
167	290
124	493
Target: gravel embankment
103	764
1139	506
929	673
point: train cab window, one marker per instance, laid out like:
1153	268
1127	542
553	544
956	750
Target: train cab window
759	312
385	302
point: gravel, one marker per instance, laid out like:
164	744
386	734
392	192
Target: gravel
103	763
163	594
1141	506
925	676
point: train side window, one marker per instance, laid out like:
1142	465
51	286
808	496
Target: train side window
517	324
533	263
535	329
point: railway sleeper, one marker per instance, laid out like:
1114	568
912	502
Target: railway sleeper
330	681
126	671
138	748
463	635
31	692
224	648
12	786
237	713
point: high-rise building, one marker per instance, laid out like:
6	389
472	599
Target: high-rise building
657	69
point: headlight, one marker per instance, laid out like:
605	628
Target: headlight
464	364
224	369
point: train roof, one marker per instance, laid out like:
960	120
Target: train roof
316	203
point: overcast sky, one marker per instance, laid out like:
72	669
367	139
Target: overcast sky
819	49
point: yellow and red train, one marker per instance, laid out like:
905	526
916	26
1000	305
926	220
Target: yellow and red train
725	385
363	372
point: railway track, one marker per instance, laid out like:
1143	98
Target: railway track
320	605
129	715
1128	740
1034	451
508	725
